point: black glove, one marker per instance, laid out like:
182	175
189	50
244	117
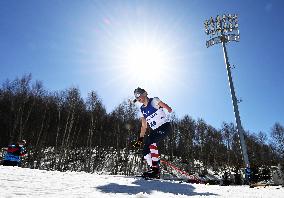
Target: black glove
138	143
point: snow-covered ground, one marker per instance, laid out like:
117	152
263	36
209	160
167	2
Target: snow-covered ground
23	182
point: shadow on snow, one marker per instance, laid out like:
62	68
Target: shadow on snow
150	186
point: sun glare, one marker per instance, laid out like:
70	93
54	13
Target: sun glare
140	51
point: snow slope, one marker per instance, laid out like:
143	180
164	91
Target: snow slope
23	182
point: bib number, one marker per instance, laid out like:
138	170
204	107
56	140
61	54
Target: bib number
153	124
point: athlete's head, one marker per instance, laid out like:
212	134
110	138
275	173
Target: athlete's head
139	94
22	142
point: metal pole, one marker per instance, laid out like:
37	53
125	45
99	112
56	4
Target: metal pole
235	104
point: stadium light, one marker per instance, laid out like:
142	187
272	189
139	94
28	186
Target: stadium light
224	29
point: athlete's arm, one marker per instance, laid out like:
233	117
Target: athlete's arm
164	105
143	127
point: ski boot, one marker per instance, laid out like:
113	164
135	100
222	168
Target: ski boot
152	173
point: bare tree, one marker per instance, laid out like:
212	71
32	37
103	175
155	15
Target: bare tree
277	138
228	131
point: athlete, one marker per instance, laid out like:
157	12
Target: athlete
14	154
152	114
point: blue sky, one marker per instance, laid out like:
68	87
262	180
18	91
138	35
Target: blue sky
87	44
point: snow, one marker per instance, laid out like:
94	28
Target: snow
23	182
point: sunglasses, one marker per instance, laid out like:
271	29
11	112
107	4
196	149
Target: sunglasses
137	95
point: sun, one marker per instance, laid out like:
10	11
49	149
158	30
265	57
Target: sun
145	59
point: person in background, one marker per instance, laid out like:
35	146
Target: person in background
152	114
14	154
248	175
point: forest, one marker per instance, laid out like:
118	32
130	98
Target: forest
67	132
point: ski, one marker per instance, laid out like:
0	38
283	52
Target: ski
160	179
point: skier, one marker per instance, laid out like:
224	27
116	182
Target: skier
152	113
14	154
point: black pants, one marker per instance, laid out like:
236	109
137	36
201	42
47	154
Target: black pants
156	136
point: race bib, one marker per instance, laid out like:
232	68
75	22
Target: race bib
157	119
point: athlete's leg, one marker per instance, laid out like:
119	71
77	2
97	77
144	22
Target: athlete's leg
155	157
150	150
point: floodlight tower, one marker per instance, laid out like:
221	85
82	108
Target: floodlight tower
224	29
